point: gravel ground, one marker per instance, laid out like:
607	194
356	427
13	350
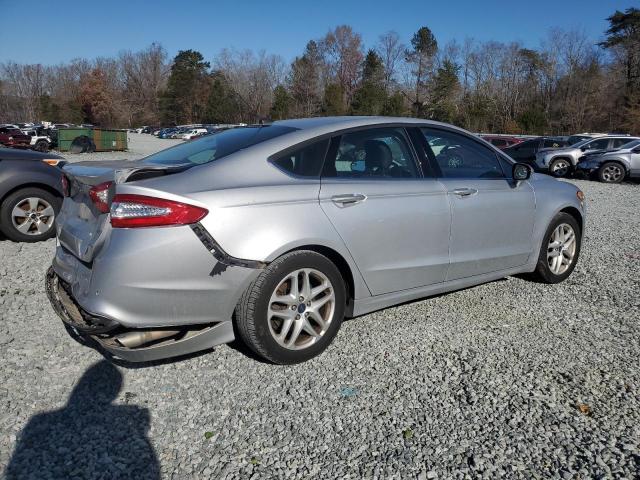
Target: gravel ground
509	379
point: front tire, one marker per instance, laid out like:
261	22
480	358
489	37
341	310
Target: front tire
294	309
560	168
611	172
28	215
560	249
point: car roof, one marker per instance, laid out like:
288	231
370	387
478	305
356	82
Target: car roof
320	125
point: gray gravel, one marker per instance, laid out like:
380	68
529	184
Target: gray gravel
510	379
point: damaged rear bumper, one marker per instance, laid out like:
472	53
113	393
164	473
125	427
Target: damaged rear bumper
150	293
134	345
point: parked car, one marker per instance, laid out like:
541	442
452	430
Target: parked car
167	132
12	137
502	141
526	151
293	226
41	140
179	133
193	132
30	194
561	162
613	166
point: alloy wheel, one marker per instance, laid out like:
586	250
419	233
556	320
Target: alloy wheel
561	249
560	168
612	173
32	216
301	309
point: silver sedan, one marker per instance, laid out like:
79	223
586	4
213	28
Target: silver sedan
275	233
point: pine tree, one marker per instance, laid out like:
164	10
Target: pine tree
281	103
333	100
371	97
444	95
222	104
184	99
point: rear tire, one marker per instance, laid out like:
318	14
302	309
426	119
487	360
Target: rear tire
289	321
557	247
611	172
42	146
23	215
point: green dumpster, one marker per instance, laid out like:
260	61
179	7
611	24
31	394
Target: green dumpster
79	140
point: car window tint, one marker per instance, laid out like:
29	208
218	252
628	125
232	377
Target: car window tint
304	162
618	142
599	144
461	157
375	153
498	142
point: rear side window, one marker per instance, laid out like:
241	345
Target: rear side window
375	153
461	157
212	147
618	142
305	161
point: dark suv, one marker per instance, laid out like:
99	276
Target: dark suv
526	151
30	194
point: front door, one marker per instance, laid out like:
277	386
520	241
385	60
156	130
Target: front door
492	216
394	223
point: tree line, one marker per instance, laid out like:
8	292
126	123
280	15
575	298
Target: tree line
569	84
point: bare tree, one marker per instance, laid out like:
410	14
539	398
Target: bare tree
344	54
391	50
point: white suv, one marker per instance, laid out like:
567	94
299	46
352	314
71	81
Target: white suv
560	162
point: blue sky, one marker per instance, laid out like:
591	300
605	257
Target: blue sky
67	29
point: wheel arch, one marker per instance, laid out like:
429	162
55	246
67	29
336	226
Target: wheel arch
343	266
22	186
619	162
575	213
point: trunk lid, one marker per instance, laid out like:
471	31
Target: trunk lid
82	228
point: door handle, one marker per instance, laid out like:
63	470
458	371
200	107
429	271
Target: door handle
348	198
464	192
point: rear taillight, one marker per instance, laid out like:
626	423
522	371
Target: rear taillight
130	211
100	196
66	191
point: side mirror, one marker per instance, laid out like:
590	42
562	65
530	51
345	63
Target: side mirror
521	171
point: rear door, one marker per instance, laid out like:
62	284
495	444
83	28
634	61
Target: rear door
394	222
492	216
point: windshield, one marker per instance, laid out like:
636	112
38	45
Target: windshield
212	147
576	140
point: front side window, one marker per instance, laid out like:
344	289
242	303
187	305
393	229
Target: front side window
599	144
212	147
305	161
461	157
377	153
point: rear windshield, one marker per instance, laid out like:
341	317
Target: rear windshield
215	146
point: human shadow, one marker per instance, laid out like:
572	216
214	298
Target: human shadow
89	437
